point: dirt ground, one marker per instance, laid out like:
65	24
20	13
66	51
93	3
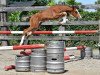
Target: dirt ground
80	67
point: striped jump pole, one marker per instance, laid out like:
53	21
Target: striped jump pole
10	67
74	48
18	47
22	47
69	57
66	49
53	32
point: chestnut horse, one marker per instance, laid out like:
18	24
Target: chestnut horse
54	12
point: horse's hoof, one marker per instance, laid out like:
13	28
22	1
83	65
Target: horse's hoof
64	13
29	33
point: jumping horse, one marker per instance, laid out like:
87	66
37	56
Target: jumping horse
53	12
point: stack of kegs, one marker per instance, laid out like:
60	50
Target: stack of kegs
51	59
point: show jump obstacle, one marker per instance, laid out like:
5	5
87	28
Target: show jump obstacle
15	47
53	32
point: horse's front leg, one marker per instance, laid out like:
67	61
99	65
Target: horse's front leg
64	18
62	15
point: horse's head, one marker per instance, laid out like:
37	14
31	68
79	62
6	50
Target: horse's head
75	12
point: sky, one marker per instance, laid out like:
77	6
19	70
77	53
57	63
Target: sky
84	1
87	1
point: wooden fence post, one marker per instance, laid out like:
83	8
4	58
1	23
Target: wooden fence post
3	18
61	28
99	37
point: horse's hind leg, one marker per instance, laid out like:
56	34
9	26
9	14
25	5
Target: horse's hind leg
27	32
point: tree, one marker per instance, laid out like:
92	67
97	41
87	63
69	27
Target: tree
70	2
41	2
97	2
51	2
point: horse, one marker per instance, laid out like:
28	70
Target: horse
51	13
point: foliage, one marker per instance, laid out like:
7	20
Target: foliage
51	3
14	16
70	2
90	15
41	2
98	2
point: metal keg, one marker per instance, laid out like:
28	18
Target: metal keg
55	56
22	63
38	60
55	44
88	52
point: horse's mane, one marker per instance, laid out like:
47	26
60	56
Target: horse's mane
75	6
